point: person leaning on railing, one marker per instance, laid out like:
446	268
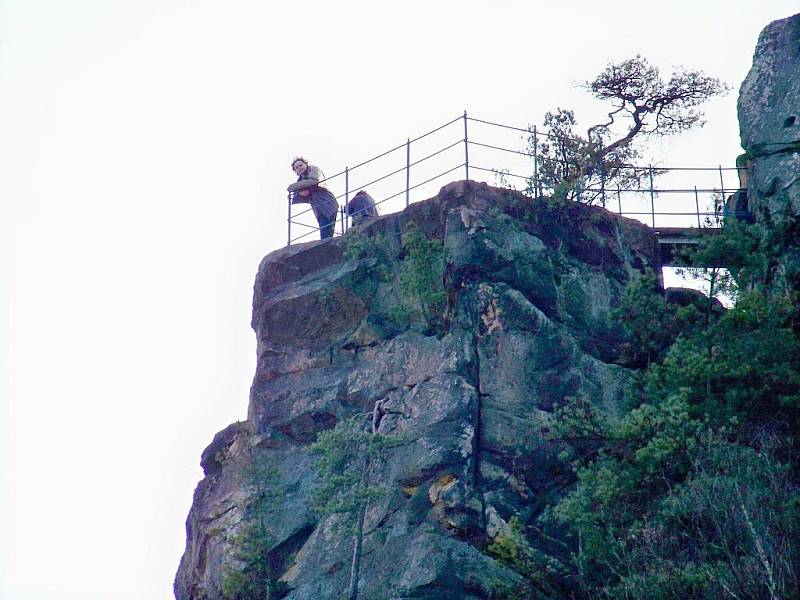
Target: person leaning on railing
308	189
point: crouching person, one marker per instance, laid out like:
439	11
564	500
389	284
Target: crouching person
362	208
308	189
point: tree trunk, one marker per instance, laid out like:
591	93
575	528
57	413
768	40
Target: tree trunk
359	537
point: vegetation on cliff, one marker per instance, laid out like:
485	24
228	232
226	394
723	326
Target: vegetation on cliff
350	460
251	574
643	105
416	271
694	492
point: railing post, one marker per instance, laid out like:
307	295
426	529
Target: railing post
408	167
619	199
697	207
289	222
721	189
535	163
602	177
652	199
346	198
466	147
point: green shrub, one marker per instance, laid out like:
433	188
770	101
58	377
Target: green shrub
694	493
421	280
376	250
645	316
350	461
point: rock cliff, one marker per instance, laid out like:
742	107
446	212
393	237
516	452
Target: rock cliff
522	322
470	384
769	121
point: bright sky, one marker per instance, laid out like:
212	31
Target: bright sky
144	154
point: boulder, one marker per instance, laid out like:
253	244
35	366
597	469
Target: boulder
769	121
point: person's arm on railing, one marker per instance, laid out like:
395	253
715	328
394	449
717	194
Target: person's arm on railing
308	177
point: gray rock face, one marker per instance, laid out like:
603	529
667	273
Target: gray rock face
527	324
769	119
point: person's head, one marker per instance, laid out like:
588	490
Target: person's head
299	165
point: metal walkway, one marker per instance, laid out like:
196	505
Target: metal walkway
672	240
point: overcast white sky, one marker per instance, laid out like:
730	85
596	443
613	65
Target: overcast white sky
144	154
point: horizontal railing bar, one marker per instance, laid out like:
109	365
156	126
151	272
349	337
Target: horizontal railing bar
361	187
366	162
436	177
432	131
339	174
528	130
395	149
403	191
309	209
497	172
499	148
402	169
667	214
646	169
609	191
300	237
715	169
304	225
456	143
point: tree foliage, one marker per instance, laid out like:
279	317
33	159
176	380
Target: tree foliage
541	572
649	104
252	576
643	105
565	162
349	461
694	492
643	312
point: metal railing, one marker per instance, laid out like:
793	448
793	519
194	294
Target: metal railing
694	205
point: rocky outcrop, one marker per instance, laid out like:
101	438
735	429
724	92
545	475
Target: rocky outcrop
527	323
769	120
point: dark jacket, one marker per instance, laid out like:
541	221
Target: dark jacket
322	201
362	207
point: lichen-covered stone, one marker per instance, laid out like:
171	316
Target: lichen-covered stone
769	121
527	324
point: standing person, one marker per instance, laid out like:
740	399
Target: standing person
308	189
